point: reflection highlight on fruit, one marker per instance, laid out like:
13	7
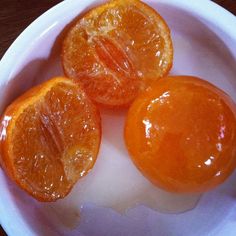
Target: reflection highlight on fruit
50	138
116	50
181	134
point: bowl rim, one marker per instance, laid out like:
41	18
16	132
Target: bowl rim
205	9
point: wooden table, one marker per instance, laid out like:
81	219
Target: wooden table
15	15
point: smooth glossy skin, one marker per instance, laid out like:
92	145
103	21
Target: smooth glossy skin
181	134
116	49
50	137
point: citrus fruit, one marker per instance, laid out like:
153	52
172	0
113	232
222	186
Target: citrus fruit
116	50
181	134
50	138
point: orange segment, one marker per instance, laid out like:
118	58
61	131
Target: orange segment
117	49
50	138
181	134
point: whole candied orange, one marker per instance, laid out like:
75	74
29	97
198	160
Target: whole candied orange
116	49
181	134
50	138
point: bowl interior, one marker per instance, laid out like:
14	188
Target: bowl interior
198	50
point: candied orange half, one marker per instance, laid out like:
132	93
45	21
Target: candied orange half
116	50
50	137
181	134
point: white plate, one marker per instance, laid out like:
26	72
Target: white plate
204	38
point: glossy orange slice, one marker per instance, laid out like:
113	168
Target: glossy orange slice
117	49
50	138
181	134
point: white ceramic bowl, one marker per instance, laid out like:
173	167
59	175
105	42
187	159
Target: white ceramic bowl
204	36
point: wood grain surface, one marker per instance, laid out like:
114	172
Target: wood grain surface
16	15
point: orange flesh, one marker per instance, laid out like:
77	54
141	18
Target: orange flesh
51	139
116	50
181	134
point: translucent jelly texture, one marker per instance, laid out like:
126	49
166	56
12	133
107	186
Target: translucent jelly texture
116	49
181	134
50	138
